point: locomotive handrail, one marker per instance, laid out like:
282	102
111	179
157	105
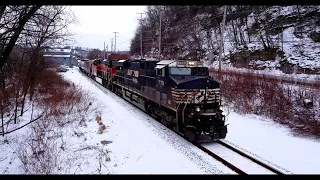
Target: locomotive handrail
179	105
185	108
181	100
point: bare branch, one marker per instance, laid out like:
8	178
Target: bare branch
23	20
40	116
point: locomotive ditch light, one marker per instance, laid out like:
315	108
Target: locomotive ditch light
198	109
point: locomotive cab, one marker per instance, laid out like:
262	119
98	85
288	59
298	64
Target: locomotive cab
197	98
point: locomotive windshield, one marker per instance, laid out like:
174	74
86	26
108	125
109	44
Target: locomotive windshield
180	71
187	71
200	71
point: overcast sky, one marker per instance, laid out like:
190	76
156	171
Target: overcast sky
96	25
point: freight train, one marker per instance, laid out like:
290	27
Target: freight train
178	93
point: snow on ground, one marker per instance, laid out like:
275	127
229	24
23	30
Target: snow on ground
8	155
274	143
136	144
303	51
139	144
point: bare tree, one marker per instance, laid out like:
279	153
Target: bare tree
27	29
47	27
13	23
95	54
257	11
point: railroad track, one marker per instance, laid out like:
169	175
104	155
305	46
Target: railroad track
237	160
267	169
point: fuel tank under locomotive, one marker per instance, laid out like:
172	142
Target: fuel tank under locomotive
198	100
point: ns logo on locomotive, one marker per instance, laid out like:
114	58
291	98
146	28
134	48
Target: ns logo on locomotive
178	93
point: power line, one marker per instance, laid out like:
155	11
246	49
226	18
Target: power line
124	41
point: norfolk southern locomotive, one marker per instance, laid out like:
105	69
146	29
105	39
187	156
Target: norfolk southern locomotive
178	93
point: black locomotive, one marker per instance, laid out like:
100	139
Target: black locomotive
178	93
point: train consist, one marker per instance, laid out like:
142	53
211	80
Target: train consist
178	93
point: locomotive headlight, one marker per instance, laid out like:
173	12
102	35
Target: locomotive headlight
198	109
190	63
220	108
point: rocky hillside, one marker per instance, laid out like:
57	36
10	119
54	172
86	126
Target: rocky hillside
259	37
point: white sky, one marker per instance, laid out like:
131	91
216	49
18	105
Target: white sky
96	25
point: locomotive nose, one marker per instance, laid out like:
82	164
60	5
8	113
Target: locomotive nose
196	90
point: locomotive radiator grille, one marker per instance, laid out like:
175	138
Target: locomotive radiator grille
195	96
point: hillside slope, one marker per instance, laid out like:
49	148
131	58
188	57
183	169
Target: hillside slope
259	37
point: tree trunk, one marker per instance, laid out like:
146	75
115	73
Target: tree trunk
234	33
298	19
1	108
248	33
2	79
23	102
30	77
242	41
265	27
263	42
16	105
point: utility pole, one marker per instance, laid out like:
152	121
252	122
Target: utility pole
111	44
140	33
104	50
278	38
107	51
115	41
160	38
221	43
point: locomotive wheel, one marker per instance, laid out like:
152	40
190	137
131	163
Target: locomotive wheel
148	108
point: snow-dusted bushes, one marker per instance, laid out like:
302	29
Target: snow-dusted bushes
62	98
57	111
63	105
264	95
